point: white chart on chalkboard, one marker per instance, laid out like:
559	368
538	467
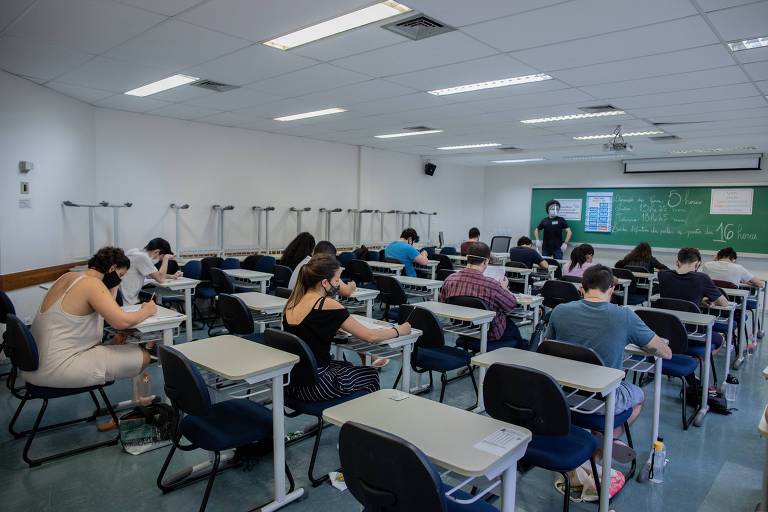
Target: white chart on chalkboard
599	212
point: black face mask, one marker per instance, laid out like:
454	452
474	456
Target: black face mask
332	291
111	279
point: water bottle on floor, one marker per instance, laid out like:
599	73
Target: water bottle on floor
731	389
142	389
658	461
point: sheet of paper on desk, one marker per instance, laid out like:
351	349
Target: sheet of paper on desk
494	272
371	324
499	442
132	309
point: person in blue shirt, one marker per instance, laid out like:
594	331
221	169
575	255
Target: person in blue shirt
403	251
606	328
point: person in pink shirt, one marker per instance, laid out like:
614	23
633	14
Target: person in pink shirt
581	260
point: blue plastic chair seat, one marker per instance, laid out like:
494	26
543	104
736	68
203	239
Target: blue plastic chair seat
442	359
230	424
698	349
393	314
479	506
473	344
679	366
722	327
205	292
561	453
597	421
43	392
316	408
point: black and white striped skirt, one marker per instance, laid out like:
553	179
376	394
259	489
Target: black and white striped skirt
340	378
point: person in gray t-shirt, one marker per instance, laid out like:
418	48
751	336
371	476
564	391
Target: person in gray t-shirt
606	328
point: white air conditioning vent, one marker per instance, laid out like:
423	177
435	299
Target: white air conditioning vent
418	27
214	86
596	109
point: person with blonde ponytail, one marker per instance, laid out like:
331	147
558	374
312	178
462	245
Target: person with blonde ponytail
313	315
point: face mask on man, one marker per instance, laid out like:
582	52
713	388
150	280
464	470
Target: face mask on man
553	213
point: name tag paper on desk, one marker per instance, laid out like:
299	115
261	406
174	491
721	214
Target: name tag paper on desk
499	442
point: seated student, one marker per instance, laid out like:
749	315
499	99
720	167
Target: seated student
322	247
403	251
725	268
524	253
641	256
496	295
474	236
687	283
313	315
68	327
581	260
143	266
300	249
606	328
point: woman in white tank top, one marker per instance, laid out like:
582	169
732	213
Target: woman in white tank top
68	327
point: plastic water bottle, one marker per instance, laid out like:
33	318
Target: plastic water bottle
142	389
731	389
658	461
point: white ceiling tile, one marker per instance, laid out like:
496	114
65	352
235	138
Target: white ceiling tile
130	103
480	70
460	13
256	62
669	83
359	92
79	92
234	99
89	25
757	70
542	99
265	19
573	20
12	9
182	93
700	107
414	101
174	45
736	115
415	55
308	80
224	119
763	86
356	41
741	22
166	7
111	75
753	55
694	59
180	111
714	5
32	58
681	97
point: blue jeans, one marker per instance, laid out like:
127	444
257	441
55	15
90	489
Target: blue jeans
512	336
556	254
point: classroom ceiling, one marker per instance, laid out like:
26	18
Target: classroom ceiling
661	61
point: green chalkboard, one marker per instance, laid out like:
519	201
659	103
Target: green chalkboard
668	217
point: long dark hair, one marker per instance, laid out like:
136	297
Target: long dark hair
579	255
321	266
641	252
299	248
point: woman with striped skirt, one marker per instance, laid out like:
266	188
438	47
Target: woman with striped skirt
314	316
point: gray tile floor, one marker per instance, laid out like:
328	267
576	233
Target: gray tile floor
716	467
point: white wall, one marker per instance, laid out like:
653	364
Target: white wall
508	195
55	133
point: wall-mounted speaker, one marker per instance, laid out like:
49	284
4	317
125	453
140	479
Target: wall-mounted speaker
429	169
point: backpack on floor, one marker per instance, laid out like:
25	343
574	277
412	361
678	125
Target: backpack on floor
147	428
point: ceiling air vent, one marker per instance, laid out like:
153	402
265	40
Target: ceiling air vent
417	128
510	149
598	108
214	86
665	138
418	27
679	122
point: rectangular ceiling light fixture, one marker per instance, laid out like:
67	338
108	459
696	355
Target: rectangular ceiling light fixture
517	161
712	150
748	44
355	19
504	82
472	146
406	134
612	135
162	85
570	117
316	113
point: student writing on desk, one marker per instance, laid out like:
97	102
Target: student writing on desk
313	315
322	247
143	266
581	260
403	251
725	268
641	256
526	254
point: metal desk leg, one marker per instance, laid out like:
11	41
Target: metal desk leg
168	337
263	286
743	341
626	295
483	348
436	294
369	308
188	311
605	478
509	487
642	476
761	319
728	345
278	446
535	317
650	291
704	408
405	385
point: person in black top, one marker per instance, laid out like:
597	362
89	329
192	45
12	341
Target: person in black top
313	315
687	283
641	256
552	227
524	253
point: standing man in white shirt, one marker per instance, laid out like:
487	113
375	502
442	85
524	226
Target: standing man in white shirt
143	265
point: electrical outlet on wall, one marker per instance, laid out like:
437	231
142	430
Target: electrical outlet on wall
24	188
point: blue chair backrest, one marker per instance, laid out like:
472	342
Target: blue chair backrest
372	256
305	371
184	385
249	263
265	264
6	307
430	251
20	345
207	264
448	251
345	257
236	316
230	263
668	326
192	269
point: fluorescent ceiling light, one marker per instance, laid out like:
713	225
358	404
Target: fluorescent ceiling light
712	150
504	82
517	161
372	14
162	85
570	117
748	44
594	157
406	134
612	135
316	113
472	146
